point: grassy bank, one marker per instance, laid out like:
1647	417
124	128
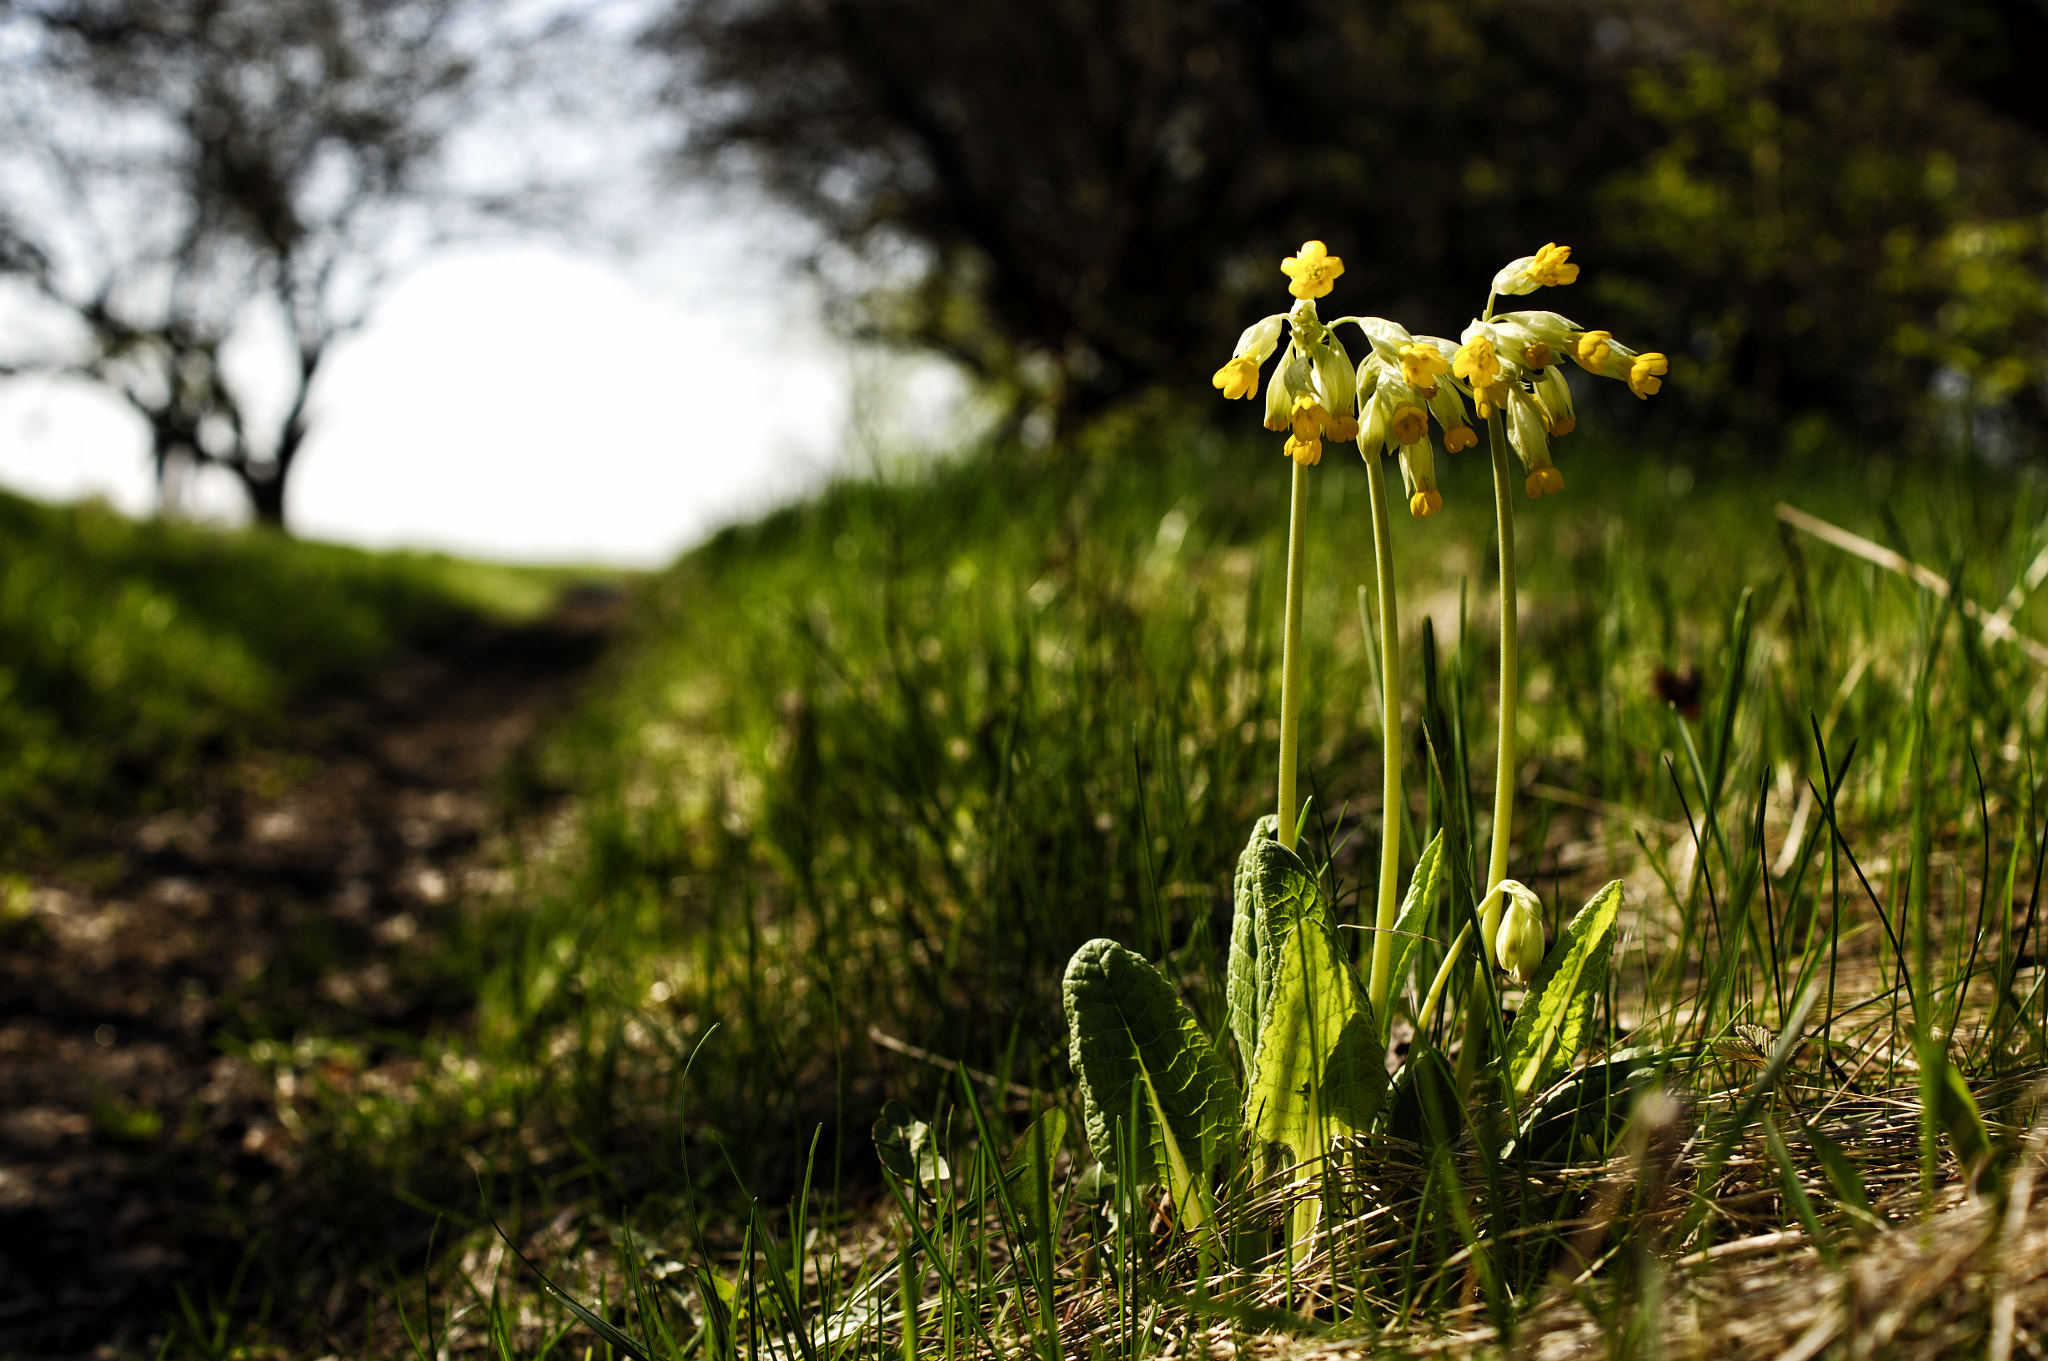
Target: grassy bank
868	770
862	774
134	652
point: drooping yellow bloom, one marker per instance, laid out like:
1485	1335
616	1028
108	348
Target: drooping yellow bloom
1459	437
1547	268
1309	422
1594	350
1311	271
1644	374
1238	378
1476	362
1538	355
1421	365
1409	426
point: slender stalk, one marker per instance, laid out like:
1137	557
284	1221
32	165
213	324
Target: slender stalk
1391	806
1510	678
1470	1054
1290	659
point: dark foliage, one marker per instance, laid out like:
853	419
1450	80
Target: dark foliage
1811	206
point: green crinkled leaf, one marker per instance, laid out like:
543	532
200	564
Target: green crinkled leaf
1416	908
1140	1054
1273	891
1028	1174
1552	1022
906	1148
1321	1070
1592	1103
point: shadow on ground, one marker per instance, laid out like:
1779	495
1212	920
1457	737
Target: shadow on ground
293	894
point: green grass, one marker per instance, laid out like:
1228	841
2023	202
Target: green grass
877	764
132	652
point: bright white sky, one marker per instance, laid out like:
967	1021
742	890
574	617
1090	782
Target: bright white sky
531	402
522	402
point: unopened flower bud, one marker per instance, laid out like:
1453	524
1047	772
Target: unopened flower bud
1518	945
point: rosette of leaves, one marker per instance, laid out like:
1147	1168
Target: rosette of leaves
1159	1101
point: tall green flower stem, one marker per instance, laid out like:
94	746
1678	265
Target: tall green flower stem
1504	766
1510	678
1290	660
1382	977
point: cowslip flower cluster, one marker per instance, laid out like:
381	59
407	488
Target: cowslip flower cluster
1386	402
1513	362
1400	393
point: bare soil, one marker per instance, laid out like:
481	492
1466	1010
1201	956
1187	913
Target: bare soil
289	893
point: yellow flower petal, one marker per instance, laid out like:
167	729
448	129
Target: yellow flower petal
1410	425
1643	374
1306	452
1421	365
1311	271
1476	362
1549	268
1238	378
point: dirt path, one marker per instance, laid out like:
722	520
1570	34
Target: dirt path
289	896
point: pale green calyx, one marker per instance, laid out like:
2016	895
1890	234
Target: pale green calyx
1518	944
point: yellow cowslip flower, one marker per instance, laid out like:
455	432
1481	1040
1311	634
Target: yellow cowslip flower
1547	268
1476	361
1313	393
1398	394
1644	374
1538	355
1598	352
1409	425
1450	414
1418	473
1238	378
1311	271
1421	365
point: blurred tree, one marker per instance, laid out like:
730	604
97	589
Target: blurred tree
1080	197
187	178
1844	206
1812	205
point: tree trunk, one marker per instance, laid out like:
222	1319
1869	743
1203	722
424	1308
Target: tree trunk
266	496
